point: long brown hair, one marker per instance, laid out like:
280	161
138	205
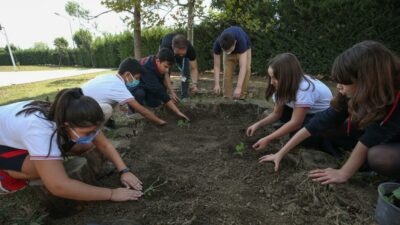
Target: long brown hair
69	106
375	71
287	70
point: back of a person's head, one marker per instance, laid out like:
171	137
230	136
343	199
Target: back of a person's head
166	55
72	107
227	40
129	65
179	41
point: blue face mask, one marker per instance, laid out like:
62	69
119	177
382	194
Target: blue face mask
134	83
86	139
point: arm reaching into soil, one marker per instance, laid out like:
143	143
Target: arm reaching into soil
194	74
242	73
271	118
146	113
293	142
334	176
171	105
168	85
105	147
56	180
294	124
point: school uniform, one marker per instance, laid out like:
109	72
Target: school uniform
181	62
151	90
230	61
108	91
386	131
21	136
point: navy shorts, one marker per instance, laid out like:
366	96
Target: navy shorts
12	158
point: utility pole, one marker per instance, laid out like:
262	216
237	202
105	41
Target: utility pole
70	27
9	47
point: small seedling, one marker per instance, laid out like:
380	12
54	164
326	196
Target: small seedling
153	187
239	149
393	197
183	123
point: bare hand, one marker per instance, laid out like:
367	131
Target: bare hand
275	158
237	92
328	176
250	131
261	144
184	116
131	181
162	122
194	90
124	194
217	89
174	97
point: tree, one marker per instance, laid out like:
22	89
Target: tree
13	48
138	8
83	39
40	46
61	45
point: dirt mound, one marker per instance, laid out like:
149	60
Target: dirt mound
204	182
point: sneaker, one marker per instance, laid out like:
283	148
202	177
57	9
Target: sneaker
9	184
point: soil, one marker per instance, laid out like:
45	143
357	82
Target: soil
207	184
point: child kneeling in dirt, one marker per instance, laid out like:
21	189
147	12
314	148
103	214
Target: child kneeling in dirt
37	135
368	77
110	90
154	82
297	98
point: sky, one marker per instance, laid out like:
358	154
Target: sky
30	21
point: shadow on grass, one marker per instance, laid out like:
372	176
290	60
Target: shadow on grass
44	97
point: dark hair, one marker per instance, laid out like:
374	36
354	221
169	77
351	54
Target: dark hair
287	70
166	55
179	41
227	40
69	106
130	65
375	71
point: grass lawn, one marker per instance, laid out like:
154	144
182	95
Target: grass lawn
43	89
35	68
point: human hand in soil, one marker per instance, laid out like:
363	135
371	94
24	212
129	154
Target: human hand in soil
174	97
194	90
275	158
261	144
162	122
183	116
124	194
217	89
237	92
328	176
250	130
131	181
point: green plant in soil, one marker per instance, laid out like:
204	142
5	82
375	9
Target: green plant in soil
239	149
183	123
394	197
154	187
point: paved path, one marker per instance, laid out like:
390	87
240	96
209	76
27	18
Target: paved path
22	77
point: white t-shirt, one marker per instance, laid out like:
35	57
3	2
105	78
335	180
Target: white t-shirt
316	97
109	89
31	133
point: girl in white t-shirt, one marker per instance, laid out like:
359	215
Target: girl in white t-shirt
297	98
35	136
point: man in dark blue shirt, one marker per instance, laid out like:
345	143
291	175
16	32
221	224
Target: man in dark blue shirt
152	90
234	44
185	58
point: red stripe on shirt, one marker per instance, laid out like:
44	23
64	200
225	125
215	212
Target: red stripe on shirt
13	153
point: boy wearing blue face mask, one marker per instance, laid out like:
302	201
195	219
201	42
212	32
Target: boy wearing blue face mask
111	90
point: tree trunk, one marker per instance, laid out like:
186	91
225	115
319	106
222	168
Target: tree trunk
137	30
190	25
